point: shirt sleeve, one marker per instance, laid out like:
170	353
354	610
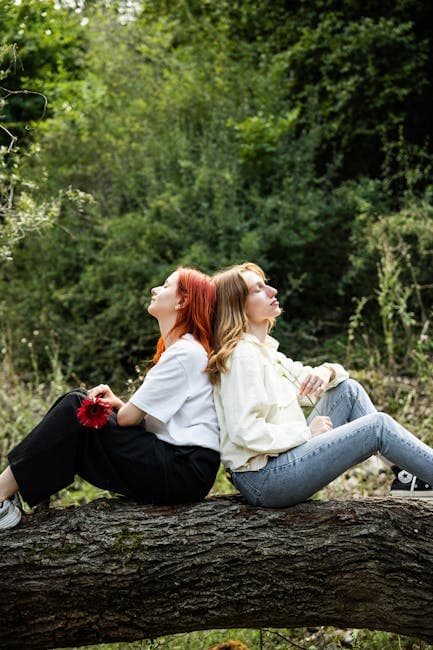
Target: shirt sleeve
164	389
247	407
296	371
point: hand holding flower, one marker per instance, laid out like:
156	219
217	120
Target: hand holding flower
93	412
315	383
104	392
97	407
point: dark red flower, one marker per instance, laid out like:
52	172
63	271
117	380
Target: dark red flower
93	412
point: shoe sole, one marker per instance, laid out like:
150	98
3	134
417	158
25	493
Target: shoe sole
412	495
11	519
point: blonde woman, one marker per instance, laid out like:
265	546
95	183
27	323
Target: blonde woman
273	455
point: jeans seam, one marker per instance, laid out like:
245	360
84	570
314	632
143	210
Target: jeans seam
305	456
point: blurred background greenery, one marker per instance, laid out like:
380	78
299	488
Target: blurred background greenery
138	136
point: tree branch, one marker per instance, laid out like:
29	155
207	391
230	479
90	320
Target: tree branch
114	570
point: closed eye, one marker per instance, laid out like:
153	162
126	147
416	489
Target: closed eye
258	288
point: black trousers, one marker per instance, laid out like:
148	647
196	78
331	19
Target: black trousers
125	460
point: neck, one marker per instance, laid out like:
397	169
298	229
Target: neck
259	330
165	327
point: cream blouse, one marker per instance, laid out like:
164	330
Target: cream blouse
258	406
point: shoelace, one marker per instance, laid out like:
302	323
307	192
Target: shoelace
412	485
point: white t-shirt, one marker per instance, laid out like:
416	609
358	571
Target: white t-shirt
177	397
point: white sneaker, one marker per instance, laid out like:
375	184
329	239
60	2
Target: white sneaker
10	512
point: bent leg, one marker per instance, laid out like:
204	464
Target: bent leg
346	402
297	474
124	460
48	458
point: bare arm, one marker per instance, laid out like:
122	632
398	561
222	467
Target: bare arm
127	414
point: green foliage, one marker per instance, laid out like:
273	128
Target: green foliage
359	78
358	69
209	133
194	178
21	214
44	48
319	638
401	245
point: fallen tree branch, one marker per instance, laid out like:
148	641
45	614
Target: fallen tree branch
114	570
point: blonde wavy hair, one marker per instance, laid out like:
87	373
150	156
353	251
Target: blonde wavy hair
230	321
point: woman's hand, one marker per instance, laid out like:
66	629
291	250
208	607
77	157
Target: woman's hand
320	424
315	382
105	393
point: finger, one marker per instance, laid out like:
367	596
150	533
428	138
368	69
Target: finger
98	391
309	385
315	389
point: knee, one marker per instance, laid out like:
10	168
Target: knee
354	388
380	418
72	399
353	385
81	392
384	418
348	387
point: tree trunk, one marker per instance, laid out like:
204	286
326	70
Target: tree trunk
113	570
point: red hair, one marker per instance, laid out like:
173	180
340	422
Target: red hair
197	292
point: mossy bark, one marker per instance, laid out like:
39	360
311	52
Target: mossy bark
113	570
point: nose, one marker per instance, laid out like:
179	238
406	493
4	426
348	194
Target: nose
272	292
154	291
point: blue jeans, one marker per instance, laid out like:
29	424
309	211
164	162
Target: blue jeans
359	431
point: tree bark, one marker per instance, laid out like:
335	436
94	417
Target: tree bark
113	570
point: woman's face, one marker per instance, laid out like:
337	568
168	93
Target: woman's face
261	303
165	300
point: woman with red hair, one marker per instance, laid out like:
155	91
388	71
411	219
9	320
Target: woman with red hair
161	446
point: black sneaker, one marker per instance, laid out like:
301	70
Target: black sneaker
407	485
10	512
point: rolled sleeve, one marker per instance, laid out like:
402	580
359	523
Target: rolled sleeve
300	370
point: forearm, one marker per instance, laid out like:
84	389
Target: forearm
116	403
129	415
